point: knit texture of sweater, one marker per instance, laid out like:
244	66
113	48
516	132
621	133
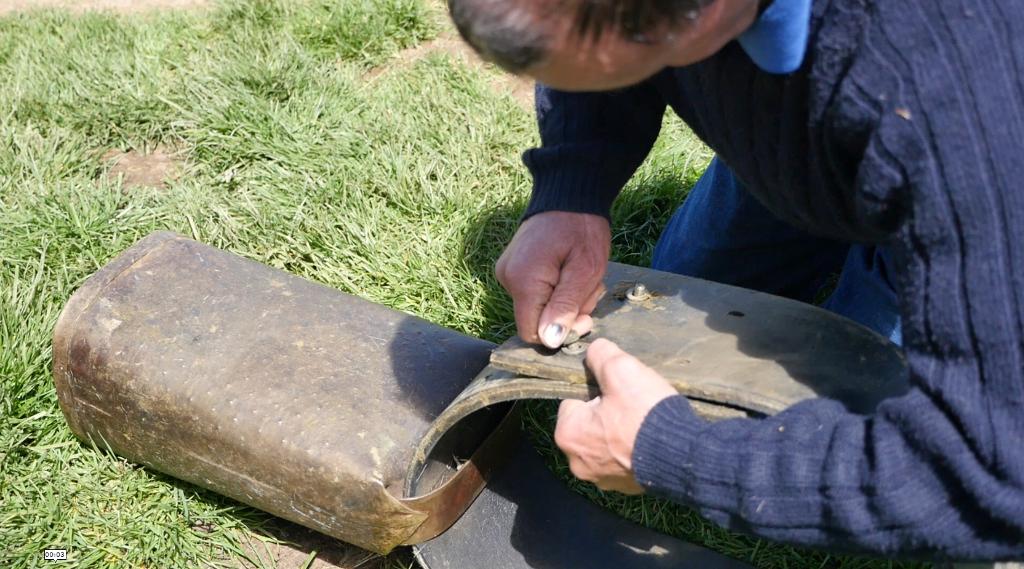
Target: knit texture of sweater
904	127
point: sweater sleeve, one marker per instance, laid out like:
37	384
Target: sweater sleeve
591	143
909	480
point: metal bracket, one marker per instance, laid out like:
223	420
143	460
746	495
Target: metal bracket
726	345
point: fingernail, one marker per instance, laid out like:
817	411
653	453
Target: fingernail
553	335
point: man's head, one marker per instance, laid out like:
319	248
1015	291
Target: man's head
598	44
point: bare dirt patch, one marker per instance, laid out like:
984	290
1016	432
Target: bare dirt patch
148	168
123	6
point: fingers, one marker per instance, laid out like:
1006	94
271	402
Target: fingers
595	297
573	416
578	283
527	311
529	278
580	434
584	322
598	436
535	300
619	373
610	364
566	408
552	269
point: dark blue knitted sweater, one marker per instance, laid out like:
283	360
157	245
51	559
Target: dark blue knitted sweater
905	126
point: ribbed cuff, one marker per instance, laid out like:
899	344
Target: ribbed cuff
662	452
565	182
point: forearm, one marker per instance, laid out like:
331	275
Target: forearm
591	144
817	475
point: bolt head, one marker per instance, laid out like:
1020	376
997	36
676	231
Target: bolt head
638	293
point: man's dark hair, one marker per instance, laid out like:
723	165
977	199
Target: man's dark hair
502	31
511	32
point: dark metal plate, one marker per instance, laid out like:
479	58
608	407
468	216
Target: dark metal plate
728	345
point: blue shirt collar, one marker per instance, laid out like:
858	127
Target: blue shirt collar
777	41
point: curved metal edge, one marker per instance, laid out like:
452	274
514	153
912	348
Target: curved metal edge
493	386
445	505
490	387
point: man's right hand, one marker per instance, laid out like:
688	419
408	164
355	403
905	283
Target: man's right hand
553	268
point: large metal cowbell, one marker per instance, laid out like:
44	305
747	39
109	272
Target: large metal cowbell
381	429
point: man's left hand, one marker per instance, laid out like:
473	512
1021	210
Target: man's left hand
598	436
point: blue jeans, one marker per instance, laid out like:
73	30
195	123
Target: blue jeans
721	233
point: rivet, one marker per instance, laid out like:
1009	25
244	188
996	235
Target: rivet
638	293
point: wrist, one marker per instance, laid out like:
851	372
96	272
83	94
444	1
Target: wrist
662	450
565	203
577	188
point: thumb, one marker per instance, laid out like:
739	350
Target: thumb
606	360
577	282
619	373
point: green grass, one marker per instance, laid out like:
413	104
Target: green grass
401	188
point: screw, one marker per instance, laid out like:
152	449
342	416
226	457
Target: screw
574	349
638	293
